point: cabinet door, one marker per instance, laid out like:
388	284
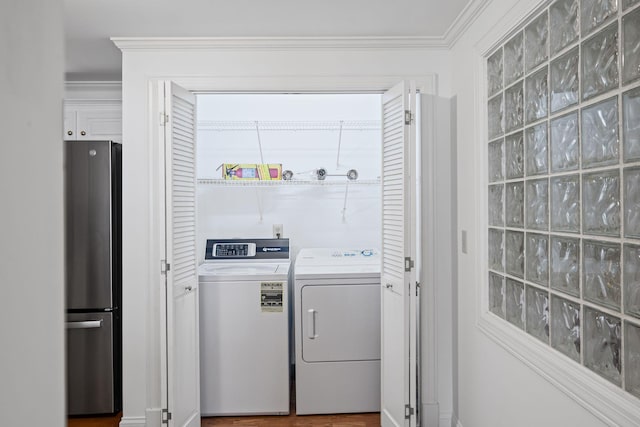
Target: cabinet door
69	127
99	124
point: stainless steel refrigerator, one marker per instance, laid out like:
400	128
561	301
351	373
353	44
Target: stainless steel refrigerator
93	258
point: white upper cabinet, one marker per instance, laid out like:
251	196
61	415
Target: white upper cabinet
93	121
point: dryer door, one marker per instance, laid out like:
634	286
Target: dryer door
340	322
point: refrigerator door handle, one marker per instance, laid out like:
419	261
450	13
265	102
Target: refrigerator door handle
88	324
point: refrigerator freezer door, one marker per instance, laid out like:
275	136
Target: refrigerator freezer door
90	364
88	228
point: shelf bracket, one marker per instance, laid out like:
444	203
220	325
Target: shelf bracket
339	144
259	142
344	207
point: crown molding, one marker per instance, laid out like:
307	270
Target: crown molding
106	90
463	21
278	43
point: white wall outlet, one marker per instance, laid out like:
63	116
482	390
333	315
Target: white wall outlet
278	231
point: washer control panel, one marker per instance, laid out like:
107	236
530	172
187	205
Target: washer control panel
225	250
246	249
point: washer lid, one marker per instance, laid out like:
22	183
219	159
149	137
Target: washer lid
244	271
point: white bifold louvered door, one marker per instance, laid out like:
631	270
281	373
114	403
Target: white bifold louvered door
399	300
182	382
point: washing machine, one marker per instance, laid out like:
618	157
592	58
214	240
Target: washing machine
337	330
244	327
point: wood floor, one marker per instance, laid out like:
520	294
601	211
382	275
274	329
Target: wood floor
104	421
347	420
350	420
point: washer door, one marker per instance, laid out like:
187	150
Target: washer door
340	322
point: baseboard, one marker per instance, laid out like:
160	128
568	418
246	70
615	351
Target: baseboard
133	422
447	420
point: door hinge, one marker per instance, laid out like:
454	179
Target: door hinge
164	266
408	117
166	416
417	288
164	119
408	264
408	411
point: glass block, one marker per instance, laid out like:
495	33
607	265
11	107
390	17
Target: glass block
602	344
601	203
536	37
538	204
632	358
600	143
631	125
600	62
565	265
537	259
601	273
514	107
538	313
632	202
631	47
536	95
565	327
496	249
496	205
564	80
631	279
495	116
515	303
565	203
496	294
536	143
565	147
514	251
514	156
496	156
494	72
514	207
563	16
513	59
628	3
595	12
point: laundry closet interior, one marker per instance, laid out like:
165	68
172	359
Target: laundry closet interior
288	232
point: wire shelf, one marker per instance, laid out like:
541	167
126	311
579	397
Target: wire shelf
277	183
347	125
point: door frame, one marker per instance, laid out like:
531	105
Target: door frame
426	85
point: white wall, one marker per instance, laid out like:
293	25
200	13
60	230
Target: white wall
312	215
32	389
494	388
257	67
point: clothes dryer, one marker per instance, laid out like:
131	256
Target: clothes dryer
244	327
337	330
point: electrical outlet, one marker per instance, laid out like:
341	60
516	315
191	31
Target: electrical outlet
278	231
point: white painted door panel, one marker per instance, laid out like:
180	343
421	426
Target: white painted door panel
398	281
182	373
99	124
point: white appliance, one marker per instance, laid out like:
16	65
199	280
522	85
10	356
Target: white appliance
244	327
337	331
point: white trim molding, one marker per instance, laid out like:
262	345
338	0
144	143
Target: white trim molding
465	18
133	422
609	403
93	90
278	43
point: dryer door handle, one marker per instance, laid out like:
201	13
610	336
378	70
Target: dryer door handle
311	321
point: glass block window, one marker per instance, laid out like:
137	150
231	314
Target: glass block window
563	184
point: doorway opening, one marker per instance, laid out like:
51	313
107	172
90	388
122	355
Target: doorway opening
323	153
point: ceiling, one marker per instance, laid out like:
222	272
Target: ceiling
89	24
